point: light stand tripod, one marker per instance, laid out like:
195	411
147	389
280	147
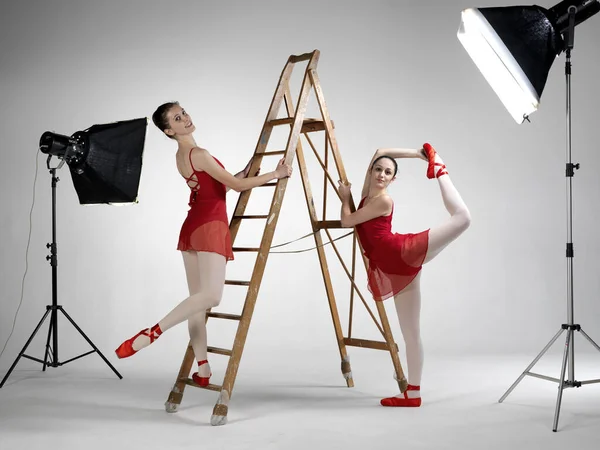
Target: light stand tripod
51	353
570	327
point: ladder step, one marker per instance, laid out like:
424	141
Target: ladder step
274	184
218	315
365	343
322	224
257	216
237	283
308	125
219	351
283	121
246	249
274	152
211	387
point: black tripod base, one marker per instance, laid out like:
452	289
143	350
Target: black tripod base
51	353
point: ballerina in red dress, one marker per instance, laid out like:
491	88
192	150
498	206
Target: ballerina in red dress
395	260
204	240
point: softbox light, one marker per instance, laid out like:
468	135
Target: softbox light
105	161
515	46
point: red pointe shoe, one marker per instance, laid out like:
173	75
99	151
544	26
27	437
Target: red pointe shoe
201	381
406	402
126	350
430	152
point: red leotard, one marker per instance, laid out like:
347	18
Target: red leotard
206	228
394	259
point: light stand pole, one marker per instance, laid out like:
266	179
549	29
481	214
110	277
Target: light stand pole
51	352
569	351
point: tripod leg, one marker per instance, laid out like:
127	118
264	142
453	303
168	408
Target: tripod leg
533	363
25	347
90	342
561	384
47	353
590	340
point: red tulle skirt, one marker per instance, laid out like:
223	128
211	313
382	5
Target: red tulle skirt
210	236
394	262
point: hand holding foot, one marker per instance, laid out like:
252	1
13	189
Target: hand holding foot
434	161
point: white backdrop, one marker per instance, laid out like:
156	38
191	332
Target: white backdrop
393	74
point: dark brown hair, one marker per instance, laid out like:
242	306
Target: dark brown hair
160	116
386	156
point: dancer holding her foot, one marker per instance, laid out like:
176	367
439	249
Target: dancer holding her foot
204	240
395	260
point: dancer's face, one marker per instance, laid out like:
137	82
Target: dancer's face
382	173
180	122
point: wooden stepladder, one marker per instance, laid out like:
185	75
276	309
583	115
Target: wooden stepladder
299	125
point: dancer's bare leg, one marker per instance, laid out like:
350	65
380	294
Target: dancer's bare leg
459	221
211	272
196	323
408	308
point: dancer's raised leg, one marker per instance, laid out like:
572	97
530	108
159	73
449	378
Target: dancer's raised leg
456	224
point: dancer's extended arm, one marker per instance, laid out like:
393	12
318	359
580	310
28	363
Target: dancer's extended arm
392	153
203	160
244	173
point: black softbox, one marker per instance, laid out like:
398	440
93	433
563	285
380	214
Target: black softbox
105	160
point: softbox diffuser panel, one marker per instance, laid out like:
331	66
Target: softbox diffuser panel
111	170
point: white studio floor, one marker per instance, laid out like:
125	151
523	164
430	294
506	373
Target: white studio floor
281	407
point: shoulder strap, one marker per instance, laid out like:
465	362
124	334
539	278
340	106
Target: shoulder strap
190	157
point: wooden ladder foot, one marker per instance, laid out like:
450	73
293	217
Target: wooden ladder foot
347	371
219	415
174	400
402	382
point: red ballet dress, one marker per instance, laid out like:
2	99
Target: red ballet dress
206	228
394	259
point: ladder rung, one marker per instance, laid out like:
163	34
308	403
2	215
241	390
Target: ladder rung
329	224
256	216
218	315
246	249
308	125
219	351
268	184
274	152
283	121
211	387
237	283
312	125
365	343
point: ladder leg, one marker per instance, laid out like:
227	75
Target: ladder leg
389	338
387	332
176	394
339	334
335	316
